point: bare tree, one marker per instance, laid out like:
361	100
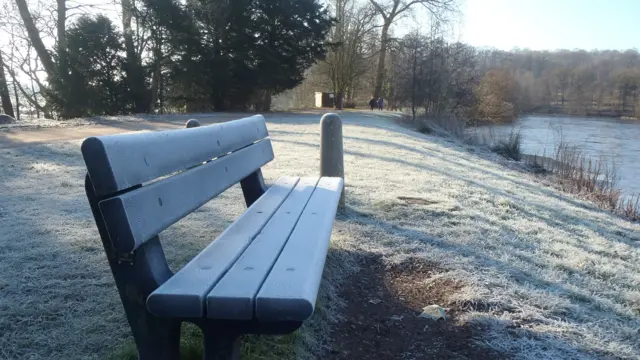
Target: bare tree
392	10
35	39
350	57
415	46
4	91
562	83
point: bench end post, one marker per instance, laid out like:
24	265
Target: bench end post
191	123
331	149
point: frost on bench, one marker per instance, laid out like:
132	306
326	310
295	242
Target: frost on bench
261	275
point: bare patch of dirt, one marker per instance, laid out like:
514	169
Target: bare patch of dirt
381	318
416	200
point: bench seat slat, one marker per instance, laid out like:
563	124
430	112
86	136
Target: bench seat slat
118	162
183	295
233	296
136	216
289	293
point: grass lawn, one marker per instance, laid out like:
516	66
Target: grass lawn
543	274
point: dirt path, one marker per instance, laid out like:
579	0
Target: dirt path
11	138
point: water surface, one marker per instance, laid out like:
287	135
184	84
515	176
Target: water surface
612	139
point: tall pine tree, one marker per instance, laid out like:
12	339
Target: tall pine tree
237	54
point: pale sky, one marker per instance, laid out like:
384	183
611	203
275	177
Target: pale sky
552	24
533	24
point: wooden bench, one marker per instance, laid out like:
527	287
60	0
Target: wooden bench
260	276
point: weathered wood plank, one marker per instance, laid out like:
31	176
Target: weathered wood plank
291	288
233	296
118	162
184	294
136	216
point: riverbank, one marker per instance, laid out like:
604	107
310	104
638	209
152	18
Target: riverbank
599	139
595	116
524	270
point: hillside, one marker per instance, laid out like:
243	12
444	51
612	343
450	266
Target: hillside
526	271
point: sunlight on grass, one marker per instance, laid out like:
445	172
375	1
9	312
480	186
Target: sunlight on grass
551	276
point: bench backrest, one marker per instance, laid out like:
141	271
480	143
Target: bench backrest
123	168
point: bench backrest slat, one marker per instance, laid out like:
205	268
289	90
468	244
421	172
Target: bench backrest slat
118	162
138	215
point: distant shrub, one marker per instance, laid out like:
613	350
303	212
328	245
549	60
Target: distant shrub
445	124
536	168
595	179
425	128
509	146
6	119
630	207
350	105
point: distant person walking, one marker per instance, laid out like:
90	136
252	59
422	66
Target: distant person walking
380	104
373	103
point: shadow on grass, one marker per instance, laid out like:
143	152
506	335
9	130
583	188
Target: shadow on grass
381	315
614	232
438	154
527	279
254	347
310	341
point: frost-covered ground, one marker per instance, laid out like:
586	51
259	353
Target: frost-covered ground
547	275
36	124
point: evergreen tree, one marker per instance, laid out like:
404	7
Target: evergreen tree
94	84
234	55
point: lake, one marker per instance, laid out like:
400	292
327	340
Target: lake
608	138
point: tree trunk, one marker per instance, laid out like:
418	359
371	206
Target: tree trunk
266	102
4	91
63	66
384	40
36	41
413	85
157	68
133	68
15	92
351	92
161	94
35	98
262	101
155	79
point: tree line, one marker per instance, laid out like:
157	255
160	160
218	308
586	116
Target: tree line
69	59
579	82
197	55
432	74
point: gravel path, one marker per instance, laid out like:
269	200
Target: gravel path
48	131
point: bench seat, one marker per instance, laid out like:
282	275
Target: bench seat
266	266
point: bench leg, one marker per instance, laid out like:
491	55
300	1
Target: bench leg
137	275
253	187
220	344
159	341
